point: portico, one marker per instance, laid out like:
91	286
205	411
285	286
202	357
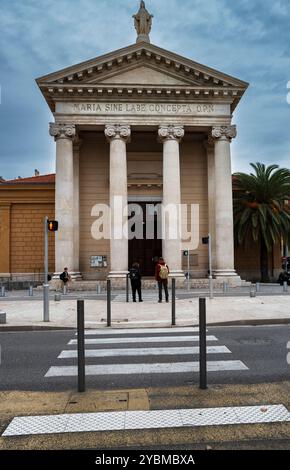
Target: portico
142	124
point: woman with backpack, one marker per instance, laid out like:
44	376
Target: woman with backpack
135	277
161	276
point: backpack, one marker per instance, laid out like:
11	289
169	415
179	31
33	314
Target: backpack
163	273
134	275
61	277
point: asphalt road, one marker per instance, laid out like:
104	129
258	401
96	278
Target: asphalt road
26	357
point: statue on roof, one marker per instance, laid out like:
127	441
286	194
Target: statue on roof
143	23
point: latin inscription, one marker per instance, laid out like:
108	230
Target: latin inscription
153	109
142	108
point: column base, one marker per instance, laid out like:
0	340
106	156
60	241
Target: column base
118	274
75	276
118	279
229	276
177	273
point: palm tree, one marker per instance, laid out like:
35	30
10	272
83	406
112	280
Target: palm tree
262	210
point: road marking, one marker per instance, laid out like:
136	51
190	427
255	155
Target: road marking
147	339
123	331
155	368
130	420
68	354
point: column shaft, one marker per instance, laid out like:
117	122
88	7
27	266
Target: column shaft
118	136
64	196
171	136
224	201
209	145
76	177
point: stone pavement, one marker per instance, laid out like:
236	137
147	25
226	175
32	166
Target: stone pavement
221	310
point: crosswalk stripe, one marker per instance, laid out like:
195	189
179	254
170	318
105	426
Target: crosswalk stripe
69	354
124	331
157	368
148	339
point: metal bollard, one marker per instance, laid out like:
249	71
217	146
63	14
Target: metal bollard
225	287
3	293
57	297
202	345
99	289
30	292
252	293
81	347
2	319
258	287
173	304
109	299
285	286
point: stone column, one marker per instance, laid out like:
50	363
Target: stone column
76	170
118	136
222	136
209	146
171	137
64	135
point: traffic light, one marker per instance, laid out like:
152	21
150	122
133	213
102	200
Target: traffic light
205	240
52	225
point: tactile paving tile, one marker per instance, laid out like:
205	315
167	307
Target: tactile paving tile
154	419
208	416
96	422
262	414
37	425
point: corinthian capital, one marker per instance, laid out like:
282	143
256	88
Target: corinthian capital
171	132
62	131
117	132
224	132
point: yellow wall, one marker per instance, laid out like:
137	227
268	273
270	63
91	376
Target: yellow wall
22	210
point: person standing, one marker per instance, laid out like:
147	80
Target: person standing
65	278
135	277
161	276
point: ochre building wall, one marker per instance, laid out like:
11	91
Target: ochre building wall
22	211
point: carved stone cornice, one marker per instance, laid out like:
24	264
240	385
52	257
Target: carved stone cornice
117	132
224	132
170	132
62	131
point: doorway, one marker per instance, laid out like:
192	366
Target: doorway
145	251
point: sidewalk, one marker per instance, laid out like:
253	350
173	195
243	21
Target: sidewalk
226	310
253	431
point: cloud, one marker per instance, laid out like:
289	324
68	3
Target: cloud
248	39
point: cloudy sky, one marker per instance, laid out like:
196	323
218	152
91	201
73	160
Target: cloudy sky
249	39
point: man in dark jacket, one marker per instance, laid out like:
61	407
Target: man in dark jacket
135	277
65	278
161	276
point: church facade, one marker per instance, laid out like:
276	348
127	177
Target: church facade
146	127
142	125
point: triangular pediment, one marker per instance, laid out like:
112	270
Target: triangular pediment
136	68
143	75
